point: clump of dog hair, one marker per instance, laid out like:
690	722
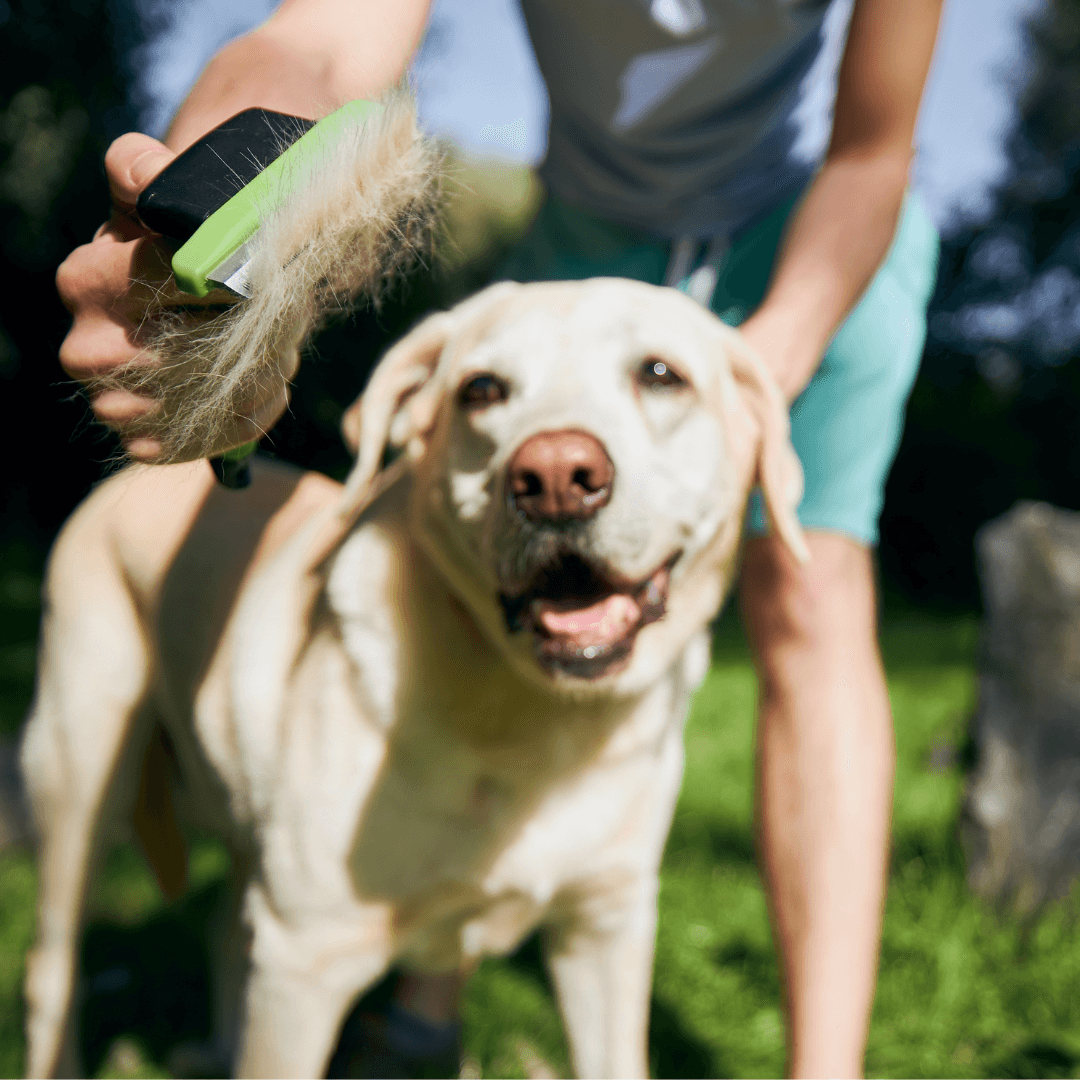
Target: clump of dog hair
357	215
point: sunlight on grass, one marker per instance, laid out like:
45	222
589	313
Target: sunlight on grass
962	991
18	889
519	1002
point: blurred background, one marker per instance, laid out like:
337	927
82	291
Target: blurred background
990	420
967	989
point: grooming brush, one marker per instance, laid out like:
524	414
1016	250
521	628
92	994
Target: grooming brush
294	219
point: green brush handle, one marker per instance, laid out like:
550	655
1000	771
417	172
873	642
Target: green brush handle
234	223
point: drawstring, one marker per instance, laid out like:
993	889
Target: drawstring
682	256
699	283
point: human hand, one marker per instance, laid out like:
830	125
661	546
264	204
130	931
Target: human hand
790	357
116	287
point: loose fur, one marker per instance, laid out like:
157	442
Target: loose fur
358	214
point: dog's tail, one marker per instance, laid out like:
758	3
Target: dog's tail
154	817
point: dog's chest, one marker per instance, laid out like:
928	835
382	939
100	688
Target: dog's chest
491	796
441	809
469	847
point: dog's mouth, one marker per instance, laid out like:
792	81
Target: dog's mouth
583	620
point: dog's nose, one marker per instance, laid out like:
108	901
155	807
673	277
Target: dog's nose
558	475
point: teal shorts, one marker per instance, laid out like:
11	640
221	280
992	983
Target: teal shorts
846	424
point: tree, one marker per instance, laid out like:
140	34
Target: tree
995	412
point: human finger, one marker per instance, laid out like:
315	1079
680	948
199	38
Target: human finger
246	427
131	162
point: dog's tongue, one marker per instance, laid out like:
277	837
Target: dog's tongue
603	623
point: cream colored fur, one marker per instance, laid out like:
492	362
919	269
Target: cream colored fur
356	215
398	777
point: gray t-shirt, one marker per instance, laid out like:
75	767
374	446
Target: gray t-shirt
685	117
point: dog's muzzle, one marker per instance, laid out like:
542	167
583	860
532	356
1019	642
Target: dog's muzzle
583	620
582	616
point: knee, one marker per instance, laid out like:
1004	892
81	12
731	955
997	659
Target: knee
824	608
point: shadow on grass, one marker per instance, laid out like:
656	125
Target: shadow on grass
755	963
1037	1058
673	1051
918	639
936	853
150	981
701	837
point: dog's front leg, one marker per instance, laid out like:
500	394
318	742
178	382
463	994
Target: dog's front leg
303	978
600	951
291	1023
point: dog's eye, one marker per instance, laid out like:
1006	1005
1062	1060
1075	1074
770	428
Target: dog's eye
653	372
481	391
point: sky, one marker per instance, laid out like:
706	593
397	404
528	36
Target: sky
477	83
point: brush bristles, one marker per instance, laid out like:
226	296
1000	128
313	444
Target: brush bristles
356	216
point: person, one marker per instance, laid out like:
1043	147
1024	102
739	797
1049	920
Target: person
678	153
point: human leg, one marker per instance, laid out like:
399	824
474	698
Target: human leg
824	786
825	750
416	1033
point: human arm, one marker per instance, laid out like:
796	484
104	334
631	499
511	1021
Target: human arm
306	59
844	226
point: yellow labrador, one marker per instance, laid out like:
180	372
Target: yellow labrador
431	709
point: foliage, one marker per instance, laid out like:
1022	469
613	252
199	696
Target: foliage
993	416
1012	283
63	97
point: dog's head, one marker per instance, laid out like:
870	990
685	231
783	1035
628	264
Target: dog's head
582	454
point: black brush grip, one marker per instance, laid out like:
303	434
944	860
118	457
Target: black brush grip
210	172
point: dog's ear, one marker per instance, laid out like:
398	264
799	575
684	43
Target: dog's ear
399	405
779	471
387	410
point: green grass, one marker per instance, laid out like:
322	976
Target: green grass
962	992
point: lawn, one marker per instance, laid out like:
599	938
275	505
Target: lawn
963	991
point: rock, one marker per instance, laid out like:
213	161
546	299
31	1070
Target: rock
1021	826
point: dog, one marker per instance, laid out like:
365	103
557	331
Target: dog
433	708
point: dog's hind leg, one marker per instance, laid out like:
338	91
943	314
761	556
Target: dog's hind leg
92	679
